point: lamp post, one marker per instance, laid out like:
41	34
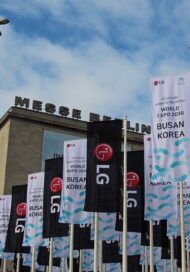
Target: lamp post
3	22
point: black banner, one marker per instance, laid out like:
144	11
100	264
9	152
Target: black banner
111	252
43	257
104	175
160	238
16	226
135	191
52	199
133	263
82	235
75	264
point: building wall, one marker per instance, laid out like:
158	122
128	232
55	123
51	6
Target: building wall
24	152
4	141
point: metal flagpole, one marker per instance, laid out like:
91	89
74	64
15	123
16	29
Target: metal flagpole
18	262
80	261
165	265
183	261
33	259
51	254
146	259
100	256
71	248
96	242
151	246
188	263
63	265
172	252
124	259
4	265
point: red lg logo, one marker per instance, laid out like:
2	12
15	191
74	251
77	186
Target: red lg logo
21	209
132	179
56	185
103	152
155	82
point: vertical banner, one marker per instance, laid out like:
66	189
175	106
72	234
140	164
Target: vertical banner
34	211
170	128
52	198
5	210
111	252
160	197
135	192
74	185
82	237
17	221
104	175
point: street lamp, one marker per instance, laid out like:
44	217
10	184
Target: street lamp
3	22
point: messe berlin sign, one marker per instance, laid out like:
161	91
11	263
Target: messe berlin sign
63	111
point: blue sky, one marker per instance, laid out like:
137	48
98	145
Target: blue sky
97	56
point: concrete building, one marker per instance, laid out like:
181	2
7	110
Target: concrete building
28	137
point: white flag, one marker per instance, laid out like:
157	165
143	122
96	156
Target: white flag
170	128
160	197
5	209
74	183
34	212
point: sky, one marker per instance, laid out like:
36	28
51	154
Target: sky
92	55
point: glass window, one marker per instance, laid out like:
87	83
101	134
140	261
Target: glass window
53	144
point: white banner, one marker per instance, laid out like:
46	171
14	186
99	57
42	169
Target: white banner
34	212
74	183
170	128
106	227
5	209
133	244
160	197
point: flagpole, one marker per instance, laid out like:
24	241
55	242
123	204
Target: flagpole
188	263
183	261
165	265
4	265
100	256
146	259
124	259
151	246
33	259
51	254
63	265
80	261
71	248
96	242
172	252
18	262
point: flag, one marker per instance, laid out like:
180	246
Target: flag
5	210
17	221
43	257
135	193
52	199
106	227
34	211
74	185
82	239
170	128
160	238
160	197
111	252
104	175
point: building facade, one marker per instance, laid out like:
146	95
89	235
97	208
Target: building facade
29	137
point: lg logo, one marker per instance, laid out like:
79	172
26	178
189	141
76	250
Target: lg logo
103	152
21	212
55	187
